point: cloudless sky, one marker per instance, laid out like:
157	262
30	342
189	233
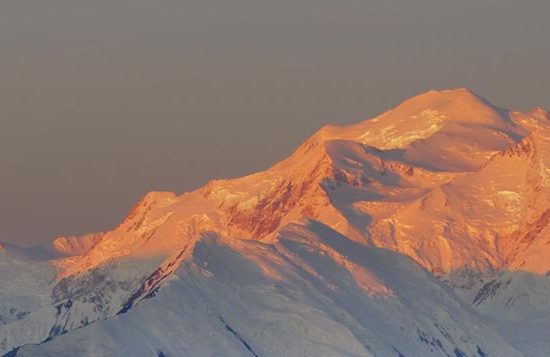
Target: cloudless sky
104	100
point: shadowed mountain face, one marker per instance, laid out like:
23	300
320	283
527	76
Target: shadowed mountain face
421	231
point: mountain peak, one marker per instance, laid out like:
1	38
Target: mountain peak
420	117
456	104
456	93
419	130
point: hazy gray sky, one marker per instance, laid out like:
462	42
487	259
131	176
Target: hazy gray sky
104	100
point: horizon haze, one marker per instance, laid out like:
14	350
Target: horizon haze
104	101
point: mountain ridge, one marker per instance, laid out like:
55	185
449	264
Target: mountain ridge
446	190
257	205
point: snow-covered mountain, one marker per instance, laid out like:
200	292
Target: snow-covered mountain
423	231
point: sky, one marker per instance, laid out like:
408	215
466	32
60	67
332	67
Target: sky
102	101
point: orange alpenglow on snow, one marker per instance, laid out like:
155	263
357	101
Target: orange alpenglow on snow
423	231
445	178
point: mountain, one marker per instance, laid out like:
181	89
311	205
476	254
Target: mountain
423	231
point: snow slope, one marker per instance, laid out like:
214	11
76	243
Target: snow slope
314	292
